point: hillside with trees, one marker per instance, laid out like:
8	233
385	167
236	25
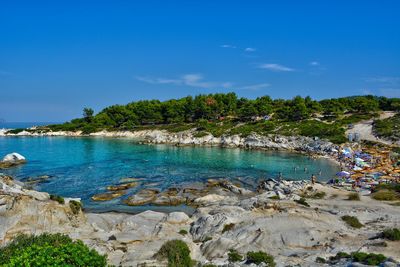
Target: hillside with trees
228	114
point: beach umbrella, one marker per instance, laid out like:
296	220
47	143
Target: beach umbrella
356	168
343	174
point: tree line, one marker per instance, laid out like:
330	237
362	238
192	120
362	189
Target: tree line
220	107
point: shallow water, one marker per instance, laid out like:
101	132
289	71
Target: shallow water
82	167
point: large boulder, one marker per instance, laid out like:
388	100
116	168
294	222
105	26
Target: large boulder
11	160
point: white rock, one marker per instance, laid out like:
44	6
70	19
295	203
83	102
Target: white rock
177	218
14	158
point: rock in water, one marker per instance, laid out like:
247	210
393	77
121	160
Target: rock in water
11	160
14	158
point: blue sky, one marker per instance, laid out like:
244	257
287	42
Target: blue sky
58	56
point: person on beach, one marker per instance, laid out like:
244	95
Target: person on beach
313	179
280	176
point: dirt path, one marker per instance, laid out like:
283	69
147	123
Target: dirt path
364	129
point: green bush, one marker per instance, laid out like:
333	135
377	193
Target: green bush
353	196
302	201
209	265
320	260
391	234
57	198
228	227
234	256
260	257
49	250
352	221
75	206
176	252
368	258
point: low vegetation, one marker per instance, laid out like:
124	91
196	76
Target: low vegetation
361	257
176	252
353	196
75	206
391	234
387	192
183	232
234	256
388	128
352	221
260	257
57	198
49	250
228	227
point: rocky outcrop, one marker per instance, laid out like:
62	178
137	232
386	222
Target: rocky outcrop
11	160
294	234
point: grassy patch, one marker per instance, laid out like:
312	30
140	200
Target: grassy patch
352	221
388	128
176	252
353	196
368	258
260	257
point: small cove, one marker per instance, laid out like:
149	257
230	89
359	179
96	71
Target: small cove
85	166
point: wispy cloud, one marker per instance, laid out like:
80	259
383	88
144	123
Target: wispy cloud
197	80
275	67
250	49
228	46
314	63
255	87
192	79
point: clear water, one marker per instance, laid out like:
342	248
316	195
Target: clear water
82	167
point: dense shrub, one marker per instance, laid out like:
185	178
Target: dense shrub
234	256
49	250
176	252
391	234
260	257
368	258
385	195
352	221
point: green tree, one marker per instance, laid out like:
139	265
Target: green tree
88	114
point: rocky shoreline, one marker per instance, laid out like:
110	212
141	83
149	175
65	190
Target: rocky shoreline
188	138
272	220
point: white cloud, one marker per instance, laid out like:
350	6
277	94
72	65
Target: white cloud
250	49
227	46
254	87
192	79
275	67
314	63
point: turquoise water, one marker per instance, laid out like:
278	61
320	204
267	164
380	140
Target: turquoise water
82	167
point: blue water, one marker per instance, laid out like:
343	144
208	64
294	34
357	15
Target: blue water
82	167
18	125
